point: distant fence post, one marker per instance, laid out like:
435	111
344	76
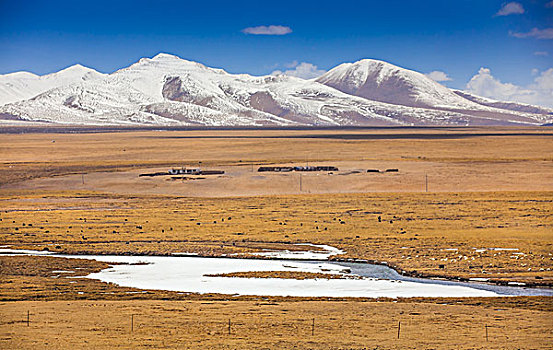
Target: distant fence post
28	317
486	332
132	322
313	327
398	328
426	182
229	326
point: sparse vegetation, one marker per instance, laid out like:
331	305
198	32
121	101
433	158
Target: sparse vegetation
488	214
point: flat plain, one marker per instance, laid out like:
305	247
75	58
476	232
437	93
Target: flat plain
464	203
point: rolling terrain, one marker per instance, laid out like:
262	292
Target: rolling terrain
486	216
169	91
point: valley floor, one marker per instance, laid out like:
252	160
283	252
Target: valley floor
487	214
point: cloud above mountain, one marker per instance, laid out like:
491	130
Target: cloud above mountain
268	30
510	8
438	76
544	34
540	92
302	70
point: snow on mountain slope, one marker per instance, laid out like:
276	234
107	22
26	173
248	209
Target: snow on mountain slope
167	90
24	85
510	106
382	81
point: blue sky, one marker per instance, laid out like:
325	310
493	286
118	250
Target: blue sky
456	37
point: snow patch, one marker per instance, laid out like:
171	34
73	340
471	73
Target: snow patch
327	252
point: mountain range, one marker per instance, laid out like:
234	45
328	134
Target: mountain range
170	91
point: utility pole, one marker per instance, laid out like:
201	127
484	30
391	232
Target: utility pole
426	181
398	329
300	184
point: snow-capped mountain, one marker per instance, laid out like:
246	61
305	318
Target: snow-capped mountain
384	82
381	81
167	90
510	106
24	85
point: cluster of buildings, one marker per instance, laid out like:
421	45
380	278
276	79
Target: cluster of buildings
296	168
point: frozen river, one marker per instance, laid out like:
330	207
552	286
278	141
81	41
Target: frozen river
188	274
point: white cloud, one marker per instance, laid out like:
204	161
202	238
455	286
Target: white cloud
545	82
546	33
541	53
268	30
538	93
303	70
292	64
438	76
510	8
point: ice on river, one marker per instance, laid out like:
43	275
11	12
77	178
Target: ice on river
187	274
322	253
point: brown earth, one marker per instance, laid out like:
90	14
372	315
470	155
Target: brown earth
488	188
463	159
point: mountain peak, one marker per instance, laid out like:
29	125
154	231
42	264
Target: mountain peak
367	63
165	56
168	90
76	69
370	61
166	60
72	74
19	75
382	81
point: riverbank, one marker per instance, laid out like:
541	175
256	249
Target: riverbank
501	237
242	277
66	312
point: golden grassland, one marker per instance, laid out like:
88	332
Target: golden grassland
267	324
489	188
25	156
504	236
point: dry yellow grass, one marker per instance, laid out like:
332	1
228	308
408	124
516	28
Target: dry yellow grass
489	188
271	325
519	161
417	231
285	275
